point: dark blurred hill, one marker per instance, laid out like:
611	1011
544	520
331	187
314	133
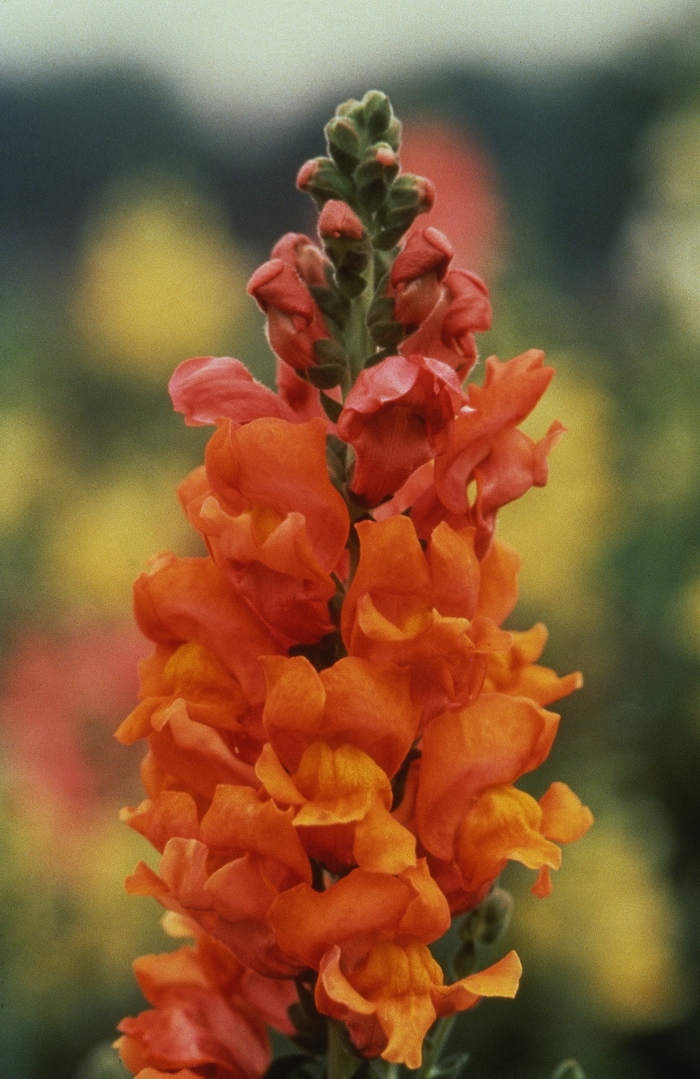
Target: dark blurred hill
566	150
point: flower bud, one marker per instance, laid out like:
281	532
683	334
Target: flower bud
343	143
321	178
378	113
485	923
407	197
346	245
375	174
339	222
417	274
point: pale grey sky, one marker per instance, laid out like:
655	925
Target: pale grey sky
272	55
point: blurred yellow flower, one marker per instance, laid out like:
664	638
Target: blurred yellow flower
612	919
160	280
102	537
28	462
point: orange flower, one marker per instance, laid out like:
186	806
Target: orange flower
490	743
407	606
209	388
367	936
202	688
273	521
507	824
486	448
336	738
390	1000
209	1012
462	309
226	871
189	599
333	788
399	414
517	673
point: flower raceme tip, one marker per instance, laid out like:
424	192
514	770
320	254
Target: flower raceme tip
335	717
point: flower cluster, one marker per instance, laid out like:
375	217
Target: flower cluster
335	717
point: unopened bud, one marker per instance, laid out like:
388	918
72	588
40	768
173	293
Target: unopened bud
343	143
322	179
393	134
352	108
495	918
386	157
375	174
485	923
412	191
339	222
328	352
378	114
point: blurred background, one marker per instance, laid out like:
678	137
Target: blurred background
148	161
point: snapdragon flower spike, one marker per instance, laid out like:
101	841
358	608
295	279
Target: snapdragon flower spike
336	717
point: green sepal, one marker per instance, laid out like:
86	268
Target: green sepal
378	114
398	215
387	334
387	238
311	1033
404	190
465	961
321	655
377	357
350	255
343	143
485	923
329	351
351	284
451	1066
336	451
332	304
330	407
381	310
325	376
393	135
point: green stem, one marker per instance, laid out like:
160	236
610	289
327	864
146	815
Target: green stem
358	339
441	1033
343	1061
